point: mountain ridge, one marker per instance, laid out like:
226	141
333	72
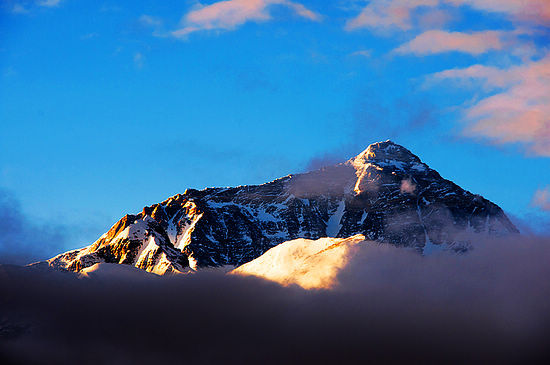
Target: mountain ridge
385	193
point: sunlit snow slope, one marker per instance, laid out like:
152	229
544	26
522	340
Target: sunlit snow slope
311	264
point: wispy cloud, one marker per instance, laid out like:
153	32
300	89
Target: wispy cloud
399	13
150	21
438	41
89	36
408	186
19	9
363	53
541	199
138	60
388	14
518	111
27	7
49	3
230	14
531	10
302	11
435	18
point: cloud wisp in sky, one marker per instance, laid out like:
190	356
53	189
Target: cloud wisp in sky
150	21
388	14
49	3
525	10
27	7
439	41
230	14
541	199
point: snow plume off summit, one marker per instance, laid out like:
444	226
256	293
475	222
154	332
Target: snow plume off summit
385	193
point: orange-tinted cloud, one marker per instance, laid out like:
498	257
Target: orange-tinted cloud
541	199
387	14
229	14
398	13
531	10
438	41
519	111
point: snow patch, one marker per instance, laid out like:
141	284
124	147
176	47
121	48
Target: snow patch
334	222
364	216
311	264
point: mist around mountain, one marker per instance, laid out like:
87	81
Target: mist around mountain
390	305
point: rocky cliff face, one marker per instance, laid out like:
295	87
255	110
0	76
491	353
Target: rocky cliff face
385	193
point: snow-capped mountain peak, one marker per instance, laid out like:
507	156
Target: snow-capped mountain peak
387	154
385	193
384	156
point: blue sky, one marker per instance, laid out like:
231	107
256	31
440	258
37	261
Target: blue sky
107	107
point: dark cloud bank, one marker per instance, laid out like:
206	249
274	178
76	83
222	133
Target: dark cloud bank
491	305
23	240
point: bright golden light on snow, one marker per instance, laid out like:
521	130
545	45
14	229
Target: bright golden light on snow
311	264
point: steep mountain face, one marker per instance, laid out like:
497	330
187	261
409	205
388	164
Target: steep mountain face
385	193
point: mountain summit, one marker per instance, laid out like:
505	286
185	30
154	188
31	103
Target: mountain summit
384	155
385	193
386	152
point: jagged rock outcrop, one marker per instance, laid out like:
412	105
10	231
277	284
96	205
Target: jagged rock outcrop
385	193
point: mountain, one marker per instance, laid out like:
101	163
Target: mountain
311	264
386	193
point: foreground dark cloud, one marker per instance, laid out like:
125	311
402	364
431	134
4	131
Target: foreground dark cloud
393	306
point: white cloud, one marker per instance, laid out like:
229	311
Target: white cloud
150	21
138	60
19	9
230	14
89	36
363	53
49	3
